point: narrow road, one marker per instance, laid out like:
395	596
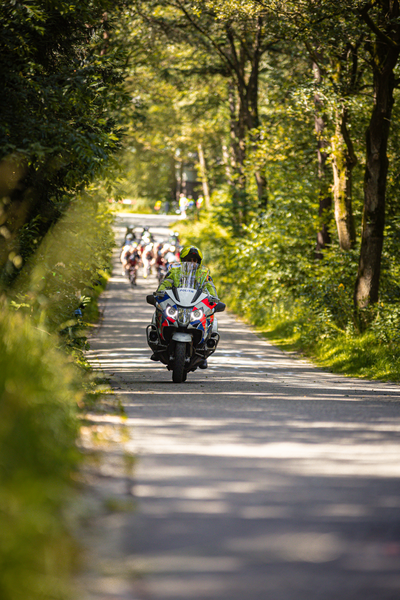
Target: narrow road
261	478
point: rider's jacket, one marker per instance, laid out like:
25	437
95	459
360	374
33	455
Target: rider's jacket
173	276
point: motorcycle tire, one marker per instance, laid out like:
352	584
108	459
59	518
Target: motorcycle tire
178	371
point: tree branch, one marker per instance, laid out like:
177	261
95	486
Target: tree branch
378	32
314	56
237	69
217	47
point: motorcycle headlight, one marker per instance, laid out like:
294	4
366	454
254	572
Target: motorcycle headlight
196	314
171	312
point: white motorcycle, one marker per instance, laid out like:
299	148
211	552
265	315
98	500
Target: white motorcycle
184	330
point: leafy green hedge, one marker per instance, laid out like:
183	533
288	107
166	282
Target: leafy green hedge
39	392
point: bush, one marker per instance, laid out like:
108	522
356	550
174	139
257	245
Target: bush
40	387
270	276
39	392
68	270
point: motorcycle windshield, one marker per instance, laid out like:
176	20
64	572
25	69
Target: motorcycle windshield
192	276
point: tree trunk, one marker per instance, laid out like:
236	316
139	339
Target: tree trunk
261	190
226	159
373	222
106	35
239	199
179	180
343	162
203	174
252	116
384	50
260	166
246	60
324	194
173	179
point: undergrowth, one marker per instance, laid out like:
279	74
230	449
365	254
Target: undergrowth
40	391
45	385
270	278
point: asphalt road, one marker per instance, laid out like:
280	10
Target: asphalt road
261	478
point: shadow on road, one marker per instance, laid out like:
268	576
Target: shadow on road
261	478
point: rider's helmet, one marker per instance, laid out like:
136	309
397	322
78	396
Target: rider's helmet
129	238
189	253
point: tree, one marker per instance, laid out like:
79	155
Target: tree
61	81
227	39
383	19
324	194
333	38
375	26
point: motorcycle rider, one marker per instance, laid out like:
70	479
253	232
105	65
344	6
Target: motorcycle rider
173	239
147	259
188	254
146	236
194	255
130	261
126	248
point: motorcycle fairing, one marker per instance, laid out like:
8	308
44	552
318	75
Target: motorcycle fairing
185	299
209	304
161	301
164	321
192	278
200	323
210	321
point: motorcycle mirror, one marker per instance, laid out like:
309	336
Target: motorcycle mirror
220	307
151	300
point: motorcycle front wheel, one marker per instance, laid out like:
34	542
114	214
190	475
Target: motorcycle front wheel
178	372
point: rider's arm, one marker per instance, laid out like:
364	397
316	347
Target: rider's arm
124	255
167	283
210	287
206	281
171	278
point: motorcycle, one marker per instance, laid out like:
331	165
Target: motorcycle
184	329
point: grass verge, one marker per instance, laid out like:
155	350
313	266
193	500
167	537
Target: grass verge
40	391
364	355
45	384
